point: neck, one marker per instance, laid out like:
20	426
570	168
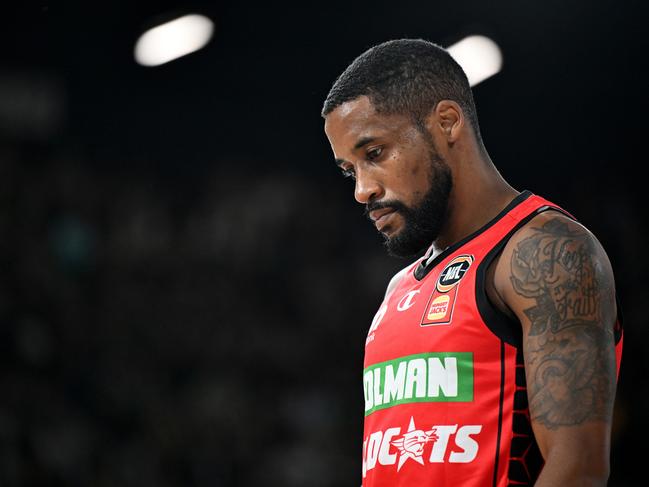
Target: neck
479	194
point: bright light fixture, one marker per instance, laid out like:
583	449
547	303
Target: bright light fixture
173	39
479	56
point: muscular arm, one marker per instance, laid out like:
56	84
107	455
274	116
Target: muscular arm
556	278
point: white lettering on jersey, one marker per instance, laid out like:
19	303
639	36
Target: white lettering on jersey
392	382
450	443
469	445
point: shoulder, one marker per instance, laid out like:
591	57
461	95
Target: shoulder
554	236
394	282
553	257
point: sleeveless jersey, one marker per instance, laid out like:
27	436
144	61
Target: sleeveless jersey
444	383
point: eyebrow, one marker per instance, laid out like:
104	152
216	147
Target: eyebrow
360	143
363	141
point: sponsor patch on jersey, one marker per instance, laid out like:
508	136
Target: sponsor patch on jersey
424	377
439	310
440	306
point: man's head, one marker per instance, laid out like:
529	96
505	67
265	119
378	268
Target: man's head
407	77
391	117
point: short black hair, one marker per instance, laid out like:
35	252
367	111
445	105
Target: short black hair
405	76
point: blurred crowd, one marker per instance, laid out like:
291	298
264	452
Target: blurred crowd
166	330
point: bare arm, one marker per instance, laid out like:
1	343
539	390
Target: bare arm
556	278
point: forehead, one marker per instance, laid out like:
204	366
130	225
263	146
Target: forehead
357	119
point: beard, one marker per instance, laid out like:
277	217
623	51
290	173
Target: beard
422	223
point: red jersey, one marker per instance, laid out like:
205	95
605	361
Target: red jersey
444	383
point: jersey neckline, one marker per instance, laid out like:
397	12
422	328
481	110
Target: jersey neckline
422	269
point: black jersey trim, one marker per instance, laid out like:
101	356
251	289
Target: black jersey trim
423	269
500	411
501	325
619	322
525	459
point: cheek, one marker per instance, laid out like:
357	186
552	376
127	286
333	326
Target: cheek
409	188
418	171
417	180
411	180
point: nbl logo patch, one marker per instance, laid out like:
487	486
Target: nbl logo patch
439	310
453	272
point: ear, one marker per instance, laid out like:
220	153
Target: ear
447	120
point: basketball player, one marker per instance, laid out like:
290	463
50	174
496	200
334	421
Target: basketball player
493	359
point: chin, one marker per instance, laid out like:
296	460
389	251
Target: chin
390	232
393	229
405	244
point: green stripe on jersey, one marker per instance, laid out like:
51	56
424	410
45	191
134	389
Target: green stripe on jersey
424	377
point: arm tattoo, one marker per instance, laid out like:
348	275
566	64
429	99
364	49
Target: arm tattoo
569	349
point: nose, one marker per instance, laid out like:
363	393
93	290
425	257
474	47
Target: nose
367	188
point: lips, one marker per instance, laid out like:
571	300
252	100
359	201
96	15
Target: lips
375	215
381	217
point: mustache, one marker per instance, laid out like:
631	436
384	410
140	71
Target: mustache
395	205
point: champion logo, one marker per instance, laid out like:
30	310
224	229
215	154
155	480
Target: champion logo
407	300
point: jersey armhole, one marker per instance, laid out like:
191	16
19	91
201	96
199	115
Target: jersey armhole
504	327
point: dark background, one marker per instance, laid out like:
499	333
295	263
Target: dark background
185	280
